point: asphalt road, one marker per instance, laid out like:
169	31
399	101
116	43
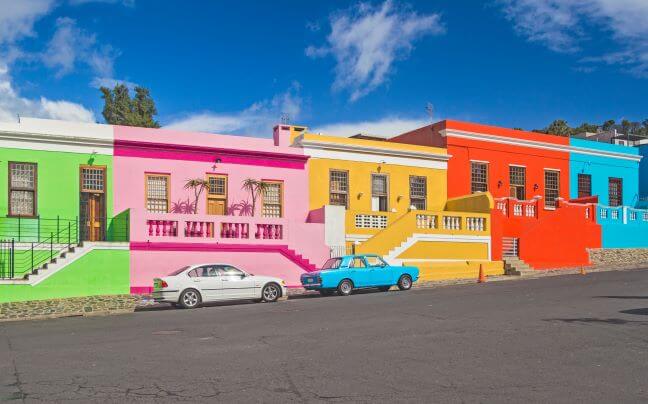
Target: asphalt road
560	339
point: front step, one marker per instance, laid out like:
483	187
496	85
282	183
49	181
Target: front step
516	267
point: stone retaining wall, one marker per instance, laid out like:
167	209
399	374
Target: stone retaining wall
75	306
618	256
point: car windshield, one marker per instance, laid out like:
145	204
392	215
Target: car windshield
179	271
333	263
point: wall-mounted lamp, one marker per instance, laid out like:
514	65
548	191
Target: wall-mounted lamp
535	187
398	198
216	161
499	184
360	194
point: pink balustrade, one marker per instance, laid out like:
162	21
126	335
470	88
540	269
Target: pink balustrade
235	230
187	227
162	228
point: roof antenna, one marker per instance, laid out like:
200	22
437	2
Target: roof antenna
429	108
285	119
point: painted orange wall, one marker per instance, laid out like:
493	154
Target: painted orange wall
556	238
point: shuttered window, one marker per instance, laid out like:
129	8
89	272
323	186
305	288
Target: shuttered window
418	191
339	188
273	200
157	193
22	189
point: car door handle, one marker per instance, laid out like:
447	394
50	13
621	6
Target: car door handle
196	280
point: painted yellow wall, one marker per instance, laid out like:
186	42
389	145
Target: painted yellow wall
360	177
446	250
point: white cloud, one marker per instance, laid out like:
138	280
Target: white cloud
12	104
256	120
17	18
562	26
385	127
366	40
70	45
98	82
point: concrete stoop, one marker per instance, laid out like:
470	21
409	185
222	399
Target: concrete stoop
516	267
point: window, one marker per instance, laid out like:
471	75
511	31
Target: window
379	192
615	191
584	185
339	188
552	188
374	261
22	189
228	270
478	177
517	180
272	200
92	179
157	193
333	263
357	263
418	192
216	195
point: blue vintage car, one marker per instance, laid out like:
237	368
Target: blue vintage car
344	274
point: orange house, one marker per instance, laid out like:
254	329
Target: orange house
528	175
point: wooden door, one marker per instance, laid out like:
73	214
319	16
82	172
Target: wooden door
95	217
215	206
217	195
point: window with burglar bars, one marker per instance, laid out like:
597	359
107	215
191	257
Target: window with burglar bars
217	185
339	188
418	192
157	193
552	188
517	181
615	191
379	192
584	185
478	177
92	179
272	200
22	189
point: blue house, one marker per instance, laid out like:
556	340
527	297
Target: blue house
611	173
643	175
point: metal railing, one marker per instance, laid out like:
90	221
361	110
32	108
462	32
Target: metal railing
27	244
510	247
19	259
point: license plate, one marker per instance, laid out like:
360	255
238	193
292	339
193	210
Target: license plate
309	280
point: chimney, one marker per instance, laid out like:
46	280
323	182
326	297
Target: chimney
284	135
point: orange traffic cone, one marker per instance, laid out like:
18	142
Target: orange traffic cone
482	277
582	271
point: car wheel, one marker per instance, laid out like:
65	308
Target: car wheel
190	299
271	292
345	287
405	282
326	292
384	288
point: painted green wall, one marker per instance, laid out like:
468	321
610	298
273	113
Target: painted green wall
58	180
99	272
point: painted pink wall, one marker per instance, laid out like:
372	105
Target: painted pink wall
243	158
153	264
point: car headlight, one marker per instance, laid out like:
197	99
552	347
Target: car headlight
283	282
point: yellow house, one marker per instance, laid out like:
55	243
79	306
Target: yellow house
393	199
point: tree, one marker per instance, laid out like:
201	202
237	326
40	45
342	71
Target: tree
625	126
559	127
255	188
121	109
607	125
198	185
585	127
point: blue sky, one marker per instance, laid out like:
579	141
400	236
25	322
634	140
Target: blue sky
338	67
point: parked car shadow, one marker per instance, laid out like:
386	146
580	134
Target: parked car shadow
169	306
636	312
315	294
621	297
591	320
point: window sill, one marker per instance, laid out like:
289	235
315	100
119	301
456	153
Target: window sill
22	216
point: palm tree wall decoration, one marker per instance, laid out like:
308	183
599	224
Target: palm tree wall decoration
255	188
198	185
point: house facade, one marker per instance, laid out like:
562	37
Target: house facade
394	202
59	193
528	175
263	227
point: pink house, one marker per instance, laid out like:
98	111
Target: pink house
171	229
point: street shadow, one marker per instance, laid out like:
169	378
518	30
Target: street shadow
169	306
317	295
591	320
621	297
636	312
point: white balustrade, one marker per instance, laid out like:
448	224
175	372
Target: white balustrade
452	222
426	221
476	223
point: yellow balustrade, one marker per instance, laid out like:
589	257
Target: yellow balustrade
426	222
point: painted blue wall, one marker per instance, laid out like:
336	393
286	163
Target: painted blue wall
643	171
601	168
623	227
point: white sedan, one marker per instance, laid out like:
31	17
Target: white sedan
195	284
